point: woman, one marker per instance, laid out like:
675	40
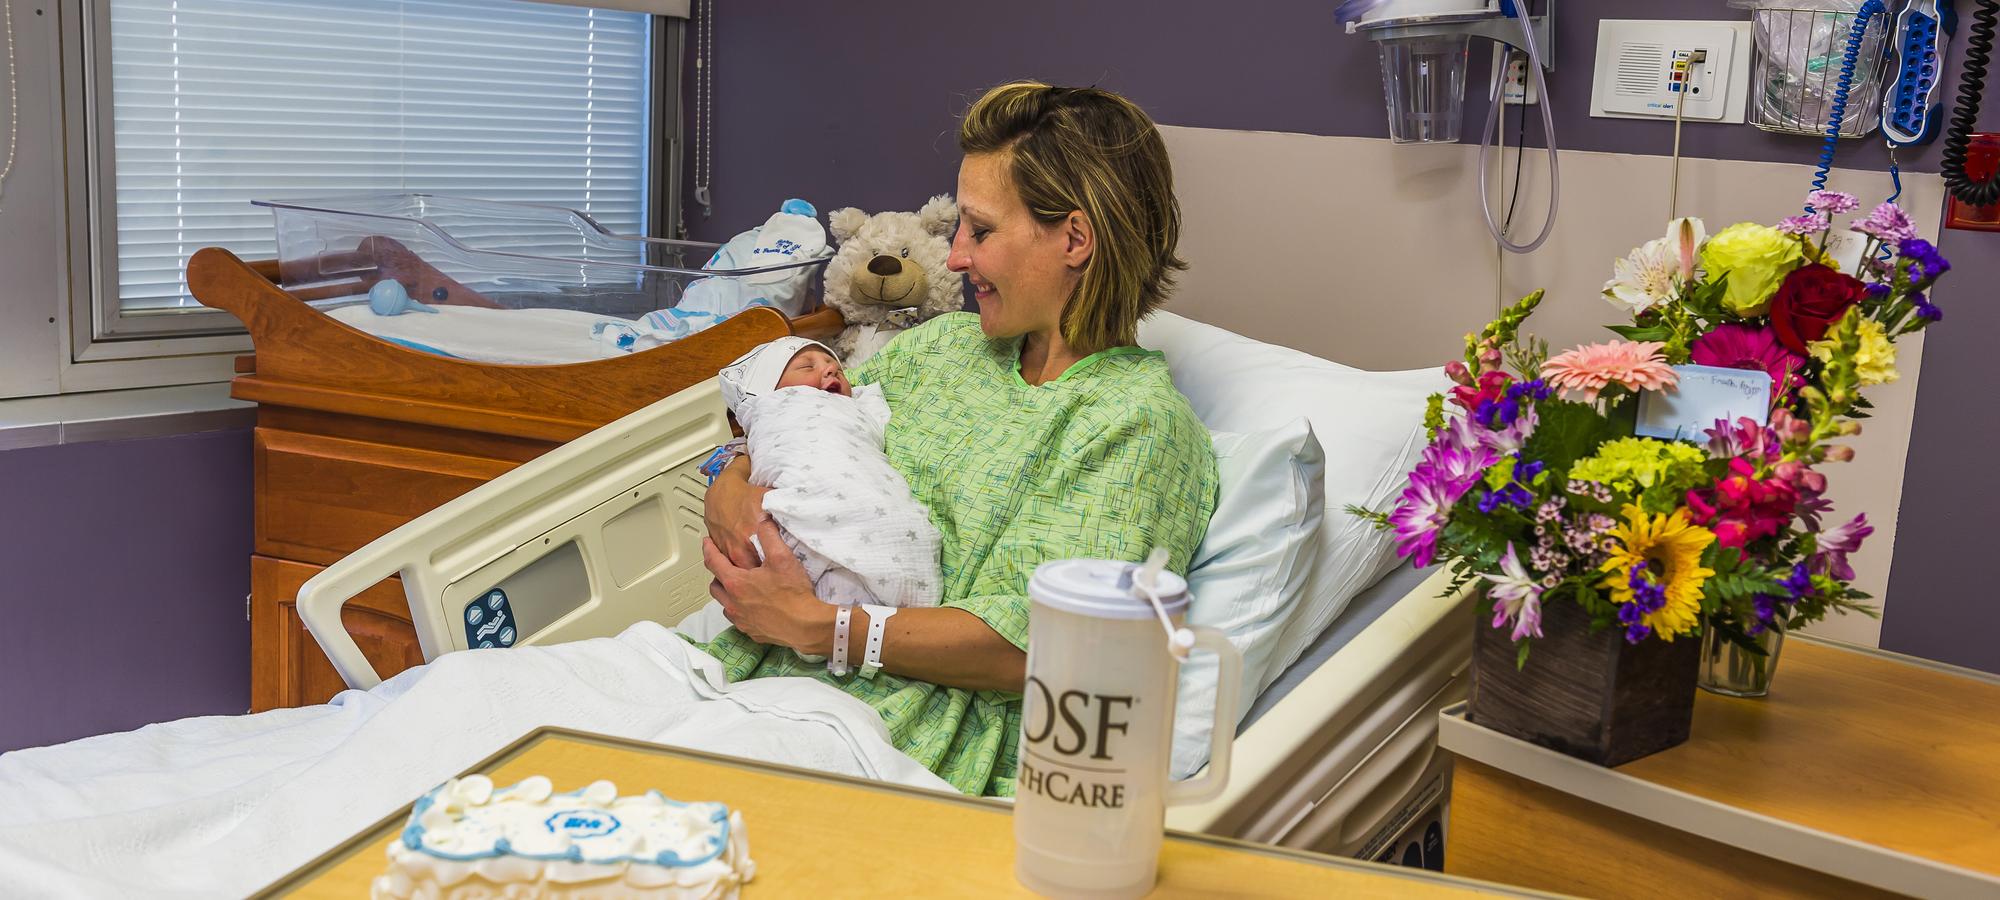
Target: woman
1036	430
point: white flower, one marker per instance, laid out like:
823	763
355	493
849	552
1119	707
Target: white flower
1645	278
1687	234
1653	273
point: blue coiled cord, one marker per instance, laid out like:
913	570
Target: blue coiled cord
1862	18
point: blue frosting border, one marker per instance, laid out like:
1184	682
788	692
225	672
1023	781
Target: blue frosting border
413	837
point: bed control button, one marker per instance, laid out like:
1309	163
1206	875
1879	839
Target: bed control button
489	621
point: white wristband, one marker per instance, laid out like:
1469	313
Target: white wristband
878	622
836	663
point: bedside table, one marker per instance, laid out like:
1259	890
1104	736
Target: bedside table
1863	773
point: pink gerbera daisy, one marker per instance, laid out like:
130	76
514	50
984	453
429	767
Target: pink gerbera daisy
1591	368
1743	346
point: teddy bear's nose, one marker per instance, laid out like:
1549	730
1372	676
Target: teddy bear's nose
885	266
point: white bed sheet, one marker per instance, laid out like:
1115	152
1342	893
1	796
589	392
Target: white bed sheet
222	805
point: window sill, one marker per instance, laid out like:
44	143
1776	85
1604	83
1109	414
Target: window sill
121	415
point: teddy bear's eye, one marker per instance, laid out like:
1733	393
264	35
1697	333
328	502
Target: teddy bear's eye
906	253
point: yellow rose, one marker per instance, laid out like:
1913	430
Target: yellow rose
1874	361
1755	258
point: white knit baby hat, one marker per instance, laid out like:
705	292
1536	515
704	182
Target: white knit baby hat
757	372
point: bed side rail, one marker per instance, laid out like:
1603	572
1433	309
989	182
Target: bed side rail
1272	773
593	536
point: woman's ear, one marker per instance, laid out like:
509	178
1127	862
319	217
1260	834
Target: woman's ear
1079	239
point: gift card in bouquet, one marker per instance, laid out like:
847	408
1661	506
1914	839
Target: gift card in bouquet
1704	394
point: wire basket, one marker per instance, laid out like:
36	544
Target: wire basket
1795	71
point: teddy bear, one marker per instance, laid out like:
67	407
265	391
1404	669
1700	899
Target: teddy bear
890	273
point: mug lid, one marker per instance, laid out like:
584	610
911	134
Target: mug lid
1102	588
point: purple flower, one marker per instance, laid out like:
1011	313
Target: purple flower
1887	223
1513	437
1501	412
1926	310
1458	434
1744	437
1799	583
1417	520
1926	264
1832	202
1647	596
1444	475
1516	597
1767	612
1809	223
1511	495
1876	290
1834	545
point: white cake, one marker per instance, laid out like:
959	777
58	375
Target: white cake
466	839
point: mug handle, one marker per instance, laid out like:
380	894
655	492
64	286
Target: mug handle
1228	687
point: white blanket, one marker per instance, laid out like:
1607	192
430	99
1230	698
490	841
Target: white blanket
221	806
521	337
844	510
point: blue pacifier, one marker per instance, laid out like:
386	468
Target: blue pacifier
389	298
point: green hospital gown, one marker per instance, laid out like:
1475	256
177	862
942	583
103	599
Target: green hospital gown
1107	461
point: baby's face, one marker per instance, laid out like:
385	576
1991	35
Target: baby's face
815	368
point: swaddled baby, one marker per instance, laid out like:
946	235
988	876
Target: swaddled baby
816	441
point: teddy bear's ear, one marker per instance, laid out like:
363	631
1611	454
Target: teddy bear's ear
939	216
846	223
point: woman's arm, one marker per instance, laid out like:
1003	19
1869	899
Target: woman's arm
774	604
732	509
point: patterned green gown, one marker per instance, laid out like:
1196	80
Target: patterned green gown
1107	461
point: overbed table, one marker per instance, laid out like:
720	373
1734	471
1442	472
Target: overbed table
819	835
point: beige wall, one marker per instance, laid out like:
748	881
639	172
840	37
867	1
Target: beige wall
1375	255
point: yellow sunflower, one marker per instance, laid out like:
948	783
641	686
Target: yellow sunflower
1671	549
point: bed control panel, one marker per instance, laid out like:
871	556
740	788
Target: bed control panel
635	555
489	622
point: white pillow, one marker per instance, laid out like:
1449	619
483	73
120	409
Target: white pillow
1250	569
1370	428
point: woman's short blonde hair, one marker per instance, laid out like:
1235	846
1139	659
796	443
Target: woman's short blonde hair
1092	150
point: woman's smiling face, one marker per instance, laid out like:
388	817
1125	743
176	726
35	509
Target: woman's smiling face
1020	276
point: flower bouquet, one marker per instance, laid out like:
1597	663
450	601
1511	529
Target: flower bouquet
1536	486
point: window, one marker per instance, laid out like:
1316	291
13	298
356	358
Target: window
200	106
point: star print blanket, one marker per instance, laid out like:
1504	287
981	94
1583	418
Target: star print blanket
846	513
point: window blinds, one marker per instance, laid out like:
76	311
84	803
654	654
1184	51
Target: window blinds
217	102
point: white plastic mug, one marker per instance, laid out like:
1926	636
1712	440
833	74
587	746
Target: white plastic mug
1097	721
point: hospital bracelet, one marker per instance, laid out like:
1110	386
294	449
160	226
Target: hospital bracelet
720	459
836	664
878	625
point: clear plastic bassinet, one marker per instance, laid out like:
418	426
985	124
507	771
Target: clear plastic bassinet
461	251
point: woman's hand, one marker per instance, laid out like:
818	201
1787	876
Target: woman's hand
772	603
732	509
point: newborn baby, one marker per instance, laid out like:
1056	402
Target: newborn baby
816	441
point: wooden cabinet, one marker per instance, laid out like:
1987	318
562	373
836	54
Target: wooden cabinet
287	667
356	436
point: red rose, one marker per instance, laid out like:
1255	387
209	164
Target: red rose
1809	301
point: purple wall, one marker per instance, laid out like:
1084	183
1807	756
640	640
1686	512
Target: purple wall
853	108
1945	606
843	107
123	567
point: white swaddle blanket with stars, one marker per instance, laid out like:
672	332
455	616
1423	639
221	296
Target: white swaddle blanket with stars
846	513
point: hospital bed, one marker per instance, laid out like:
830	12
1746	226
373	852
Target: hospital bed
1338	754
